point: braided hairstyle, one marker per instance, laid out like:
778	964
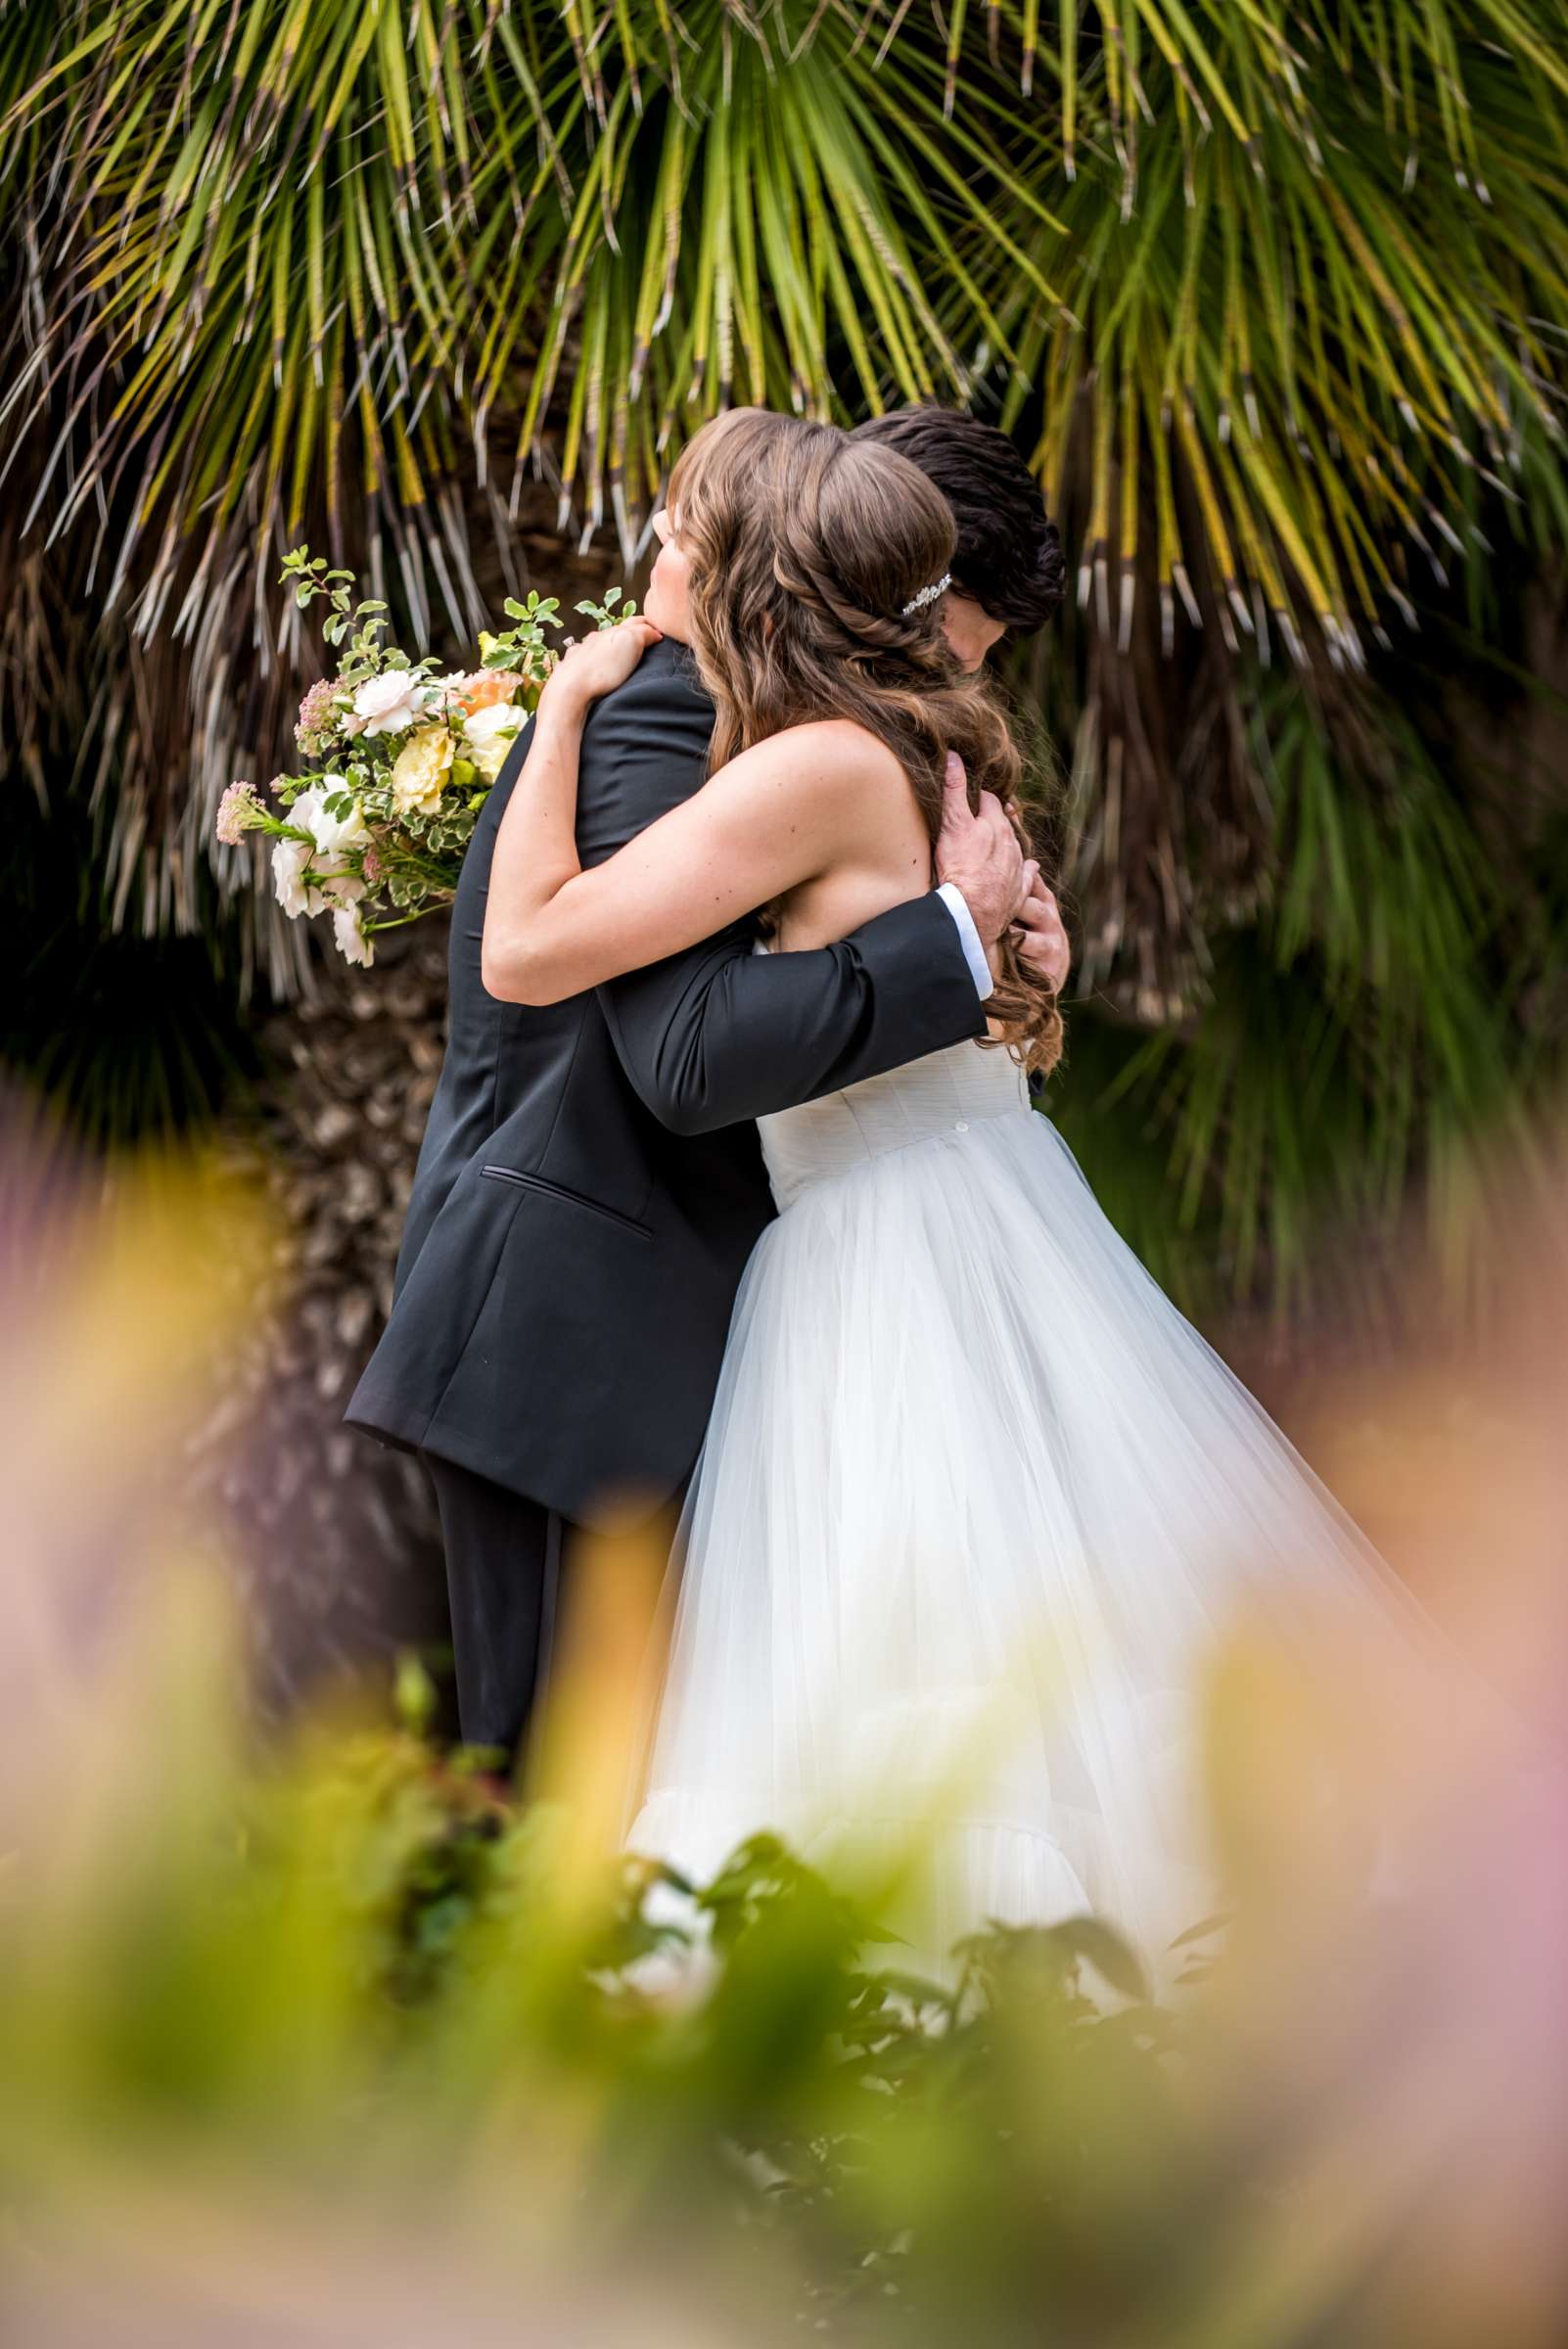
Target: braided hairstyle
1008	557
802	548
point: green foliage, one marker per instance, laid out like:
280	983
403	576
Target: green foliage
352	1964
1298	271
319	2034
1311	270
362	624
525	644
1357	1039
1274	297
605	615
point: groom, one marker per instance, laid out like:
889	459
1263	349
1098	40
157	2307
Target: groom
592	1182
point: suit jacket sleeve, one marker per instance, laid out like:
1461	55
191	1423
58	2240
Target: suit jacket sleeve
720	1033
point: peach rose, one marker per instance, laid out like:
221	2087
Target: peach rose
485	688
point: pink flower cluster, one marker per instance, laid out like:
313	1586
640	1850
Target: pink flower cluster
317	716
237	807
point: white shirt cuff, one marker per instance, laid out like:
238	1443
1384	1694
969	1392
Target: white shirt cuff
953	896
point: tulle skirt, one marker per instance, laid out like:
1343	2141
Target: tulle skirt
976	1506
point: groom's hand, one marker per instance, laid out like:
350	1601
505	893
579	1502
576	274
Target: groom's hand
979	853
1042	936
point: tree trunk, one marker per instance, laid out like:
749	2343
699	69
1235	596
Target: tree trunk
335	1537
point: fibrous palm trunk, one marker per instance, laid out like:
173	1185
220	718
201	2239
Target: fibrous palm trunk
335	1537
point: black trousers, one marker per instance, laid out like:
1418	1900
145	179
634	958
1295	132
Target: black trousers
504	1558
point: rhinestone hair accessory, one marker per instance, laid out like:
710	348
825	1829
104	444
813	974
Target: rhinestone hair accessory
928	595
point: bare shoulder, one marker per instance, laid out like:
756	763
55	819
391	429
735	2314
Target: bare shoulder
821	761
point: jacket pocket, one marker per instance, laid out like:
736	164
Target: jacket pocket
557	1190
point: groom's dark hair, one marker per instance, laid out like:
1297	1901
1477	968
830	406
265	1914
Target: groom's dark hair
1009	554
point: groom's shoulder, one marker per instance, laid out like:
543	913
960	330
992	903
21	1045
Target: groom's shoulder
662	697
644	751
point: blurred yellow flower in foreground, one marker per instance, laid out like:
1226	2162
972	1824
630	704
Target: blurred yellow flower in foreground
116	1317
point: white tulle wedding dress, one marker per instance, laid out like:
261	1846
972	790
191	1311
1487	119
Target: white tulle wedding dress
975	1503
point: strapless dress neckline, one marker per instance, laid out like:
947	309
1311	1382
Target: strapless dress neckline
926	1103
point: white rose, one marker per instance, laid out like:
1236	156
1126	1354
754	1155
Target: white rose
289	860
349	935
336	882
333	881
330	833
388	704
489	734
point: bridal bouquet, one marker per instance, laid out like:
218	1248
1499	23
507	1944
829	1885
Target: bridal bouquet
399	757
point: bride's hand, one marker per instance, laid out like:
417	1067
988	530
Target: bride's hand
596	665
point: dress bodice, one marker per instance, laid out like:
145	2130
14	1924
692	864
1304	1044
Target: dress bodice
945	1094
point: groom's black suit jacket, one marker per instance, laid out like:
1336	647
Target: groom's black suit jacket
590	1184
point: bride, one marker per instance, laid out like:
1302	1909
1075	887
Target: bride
975	1499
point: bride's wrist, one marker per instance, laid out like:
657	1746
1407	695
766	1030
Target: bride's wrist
562	701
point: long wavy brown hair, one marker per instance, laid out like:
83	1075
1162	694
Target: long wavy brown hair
802	548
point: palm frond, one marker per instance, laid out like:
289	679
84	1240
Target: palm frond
1357	1039
1275	295
278	268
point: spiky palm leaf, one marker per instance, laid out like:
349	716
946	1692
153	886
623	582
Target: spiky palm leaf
1358	1037
1274	293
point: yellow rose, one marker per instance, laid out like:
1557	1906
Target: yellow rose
422	770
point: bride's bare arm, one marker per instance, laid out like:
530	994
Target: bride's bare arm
777	817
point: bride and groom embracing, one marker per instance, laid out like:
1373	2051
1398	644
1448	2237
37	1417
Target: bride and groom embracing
732	1189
